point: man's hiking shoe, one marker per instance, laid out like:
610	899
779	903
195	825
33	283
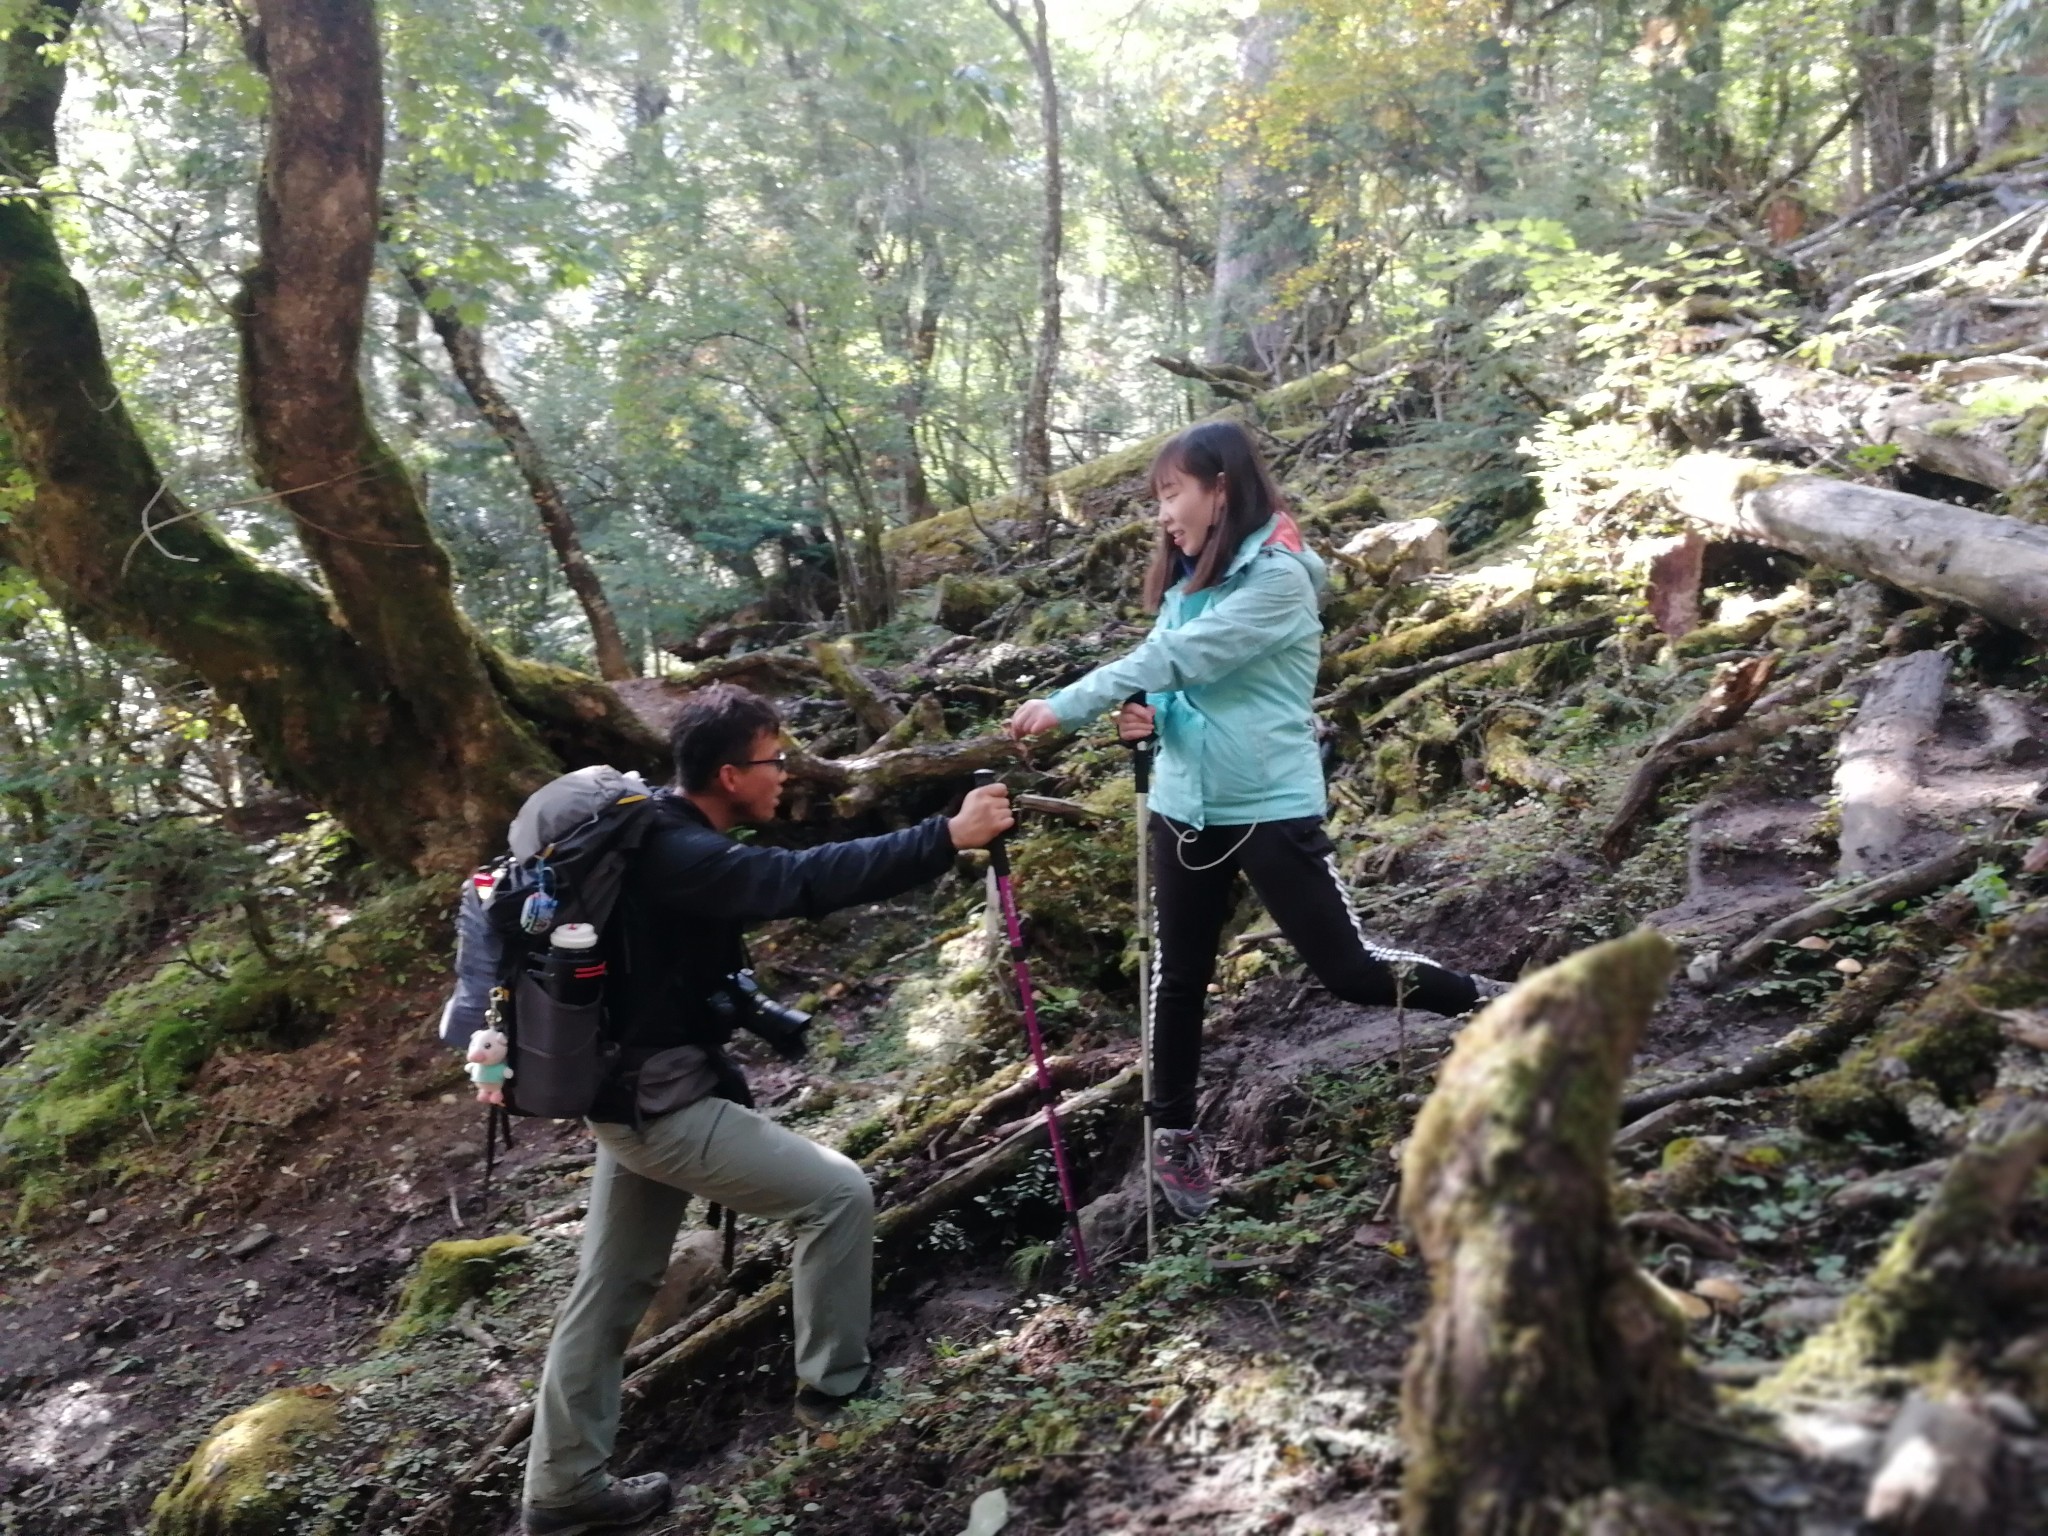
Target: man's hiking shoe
618	1505
1181	1169
821	1410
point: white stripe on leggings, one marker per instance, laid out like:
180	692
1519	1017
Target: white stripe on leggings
1377	951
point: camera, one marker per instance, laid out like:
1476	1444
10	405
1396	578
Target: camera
741	1004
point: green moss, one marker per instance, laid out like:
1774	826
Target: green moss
447	1275
241	1481
1060	618
1359	501
864	1136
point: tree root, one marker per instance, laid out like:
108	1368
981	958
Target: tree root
1902	885
1940	1052
1852	1011
859	784
1934	1280
1736	686
1546	1356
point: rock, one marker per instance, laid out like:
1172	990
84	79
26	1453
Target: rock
1800	1314
242	1480
98	1218
989	1513
965	602
1704	968
1828	1435
1398	552
251	1242
696	1264
1937	1475
448	1274
1113	1225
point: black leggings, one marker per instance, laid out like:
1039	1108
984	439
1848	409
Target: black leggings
1293	868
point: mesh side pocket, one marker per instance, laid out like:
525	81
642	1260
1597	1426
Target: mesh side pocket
558	1056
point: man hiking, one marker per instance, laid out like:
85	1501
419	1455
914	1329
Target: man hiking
676	1123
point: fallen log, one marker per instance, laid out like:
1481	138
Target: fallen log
1393	679
1878	204
1825	412
1878	760
1901	885
1932	1283
1547	1358
1848	1014
1736	685
1505	754
1996	565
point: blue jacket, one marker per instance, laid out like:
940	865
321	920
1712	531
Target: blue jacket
1232	674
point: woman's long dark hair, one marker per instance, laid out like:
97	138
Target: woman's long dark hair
1250	498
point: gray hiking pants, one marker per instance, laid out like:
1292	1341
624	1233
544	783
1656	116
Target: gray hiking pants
721	1152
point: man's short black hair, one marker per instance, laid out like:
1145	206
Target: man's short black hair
716	726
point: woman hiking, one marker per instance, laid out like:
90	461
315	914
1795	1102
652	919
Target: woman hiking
1228	675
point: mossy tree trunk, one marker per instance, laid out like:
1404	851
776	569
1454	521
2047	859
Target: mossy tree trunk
373	698
1546	1358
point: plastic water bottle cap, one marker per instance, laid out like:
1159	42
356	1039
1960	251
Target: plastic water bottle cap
574	936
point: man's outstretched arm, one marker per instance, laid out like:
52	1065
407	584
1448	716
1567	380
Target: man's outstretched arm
714	876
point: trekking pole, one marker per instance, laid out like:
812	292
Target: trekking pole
1141	774
999	861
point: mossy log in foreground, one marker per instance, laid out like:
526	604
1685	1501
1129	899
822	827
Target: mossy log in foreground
1546	1358
241	1480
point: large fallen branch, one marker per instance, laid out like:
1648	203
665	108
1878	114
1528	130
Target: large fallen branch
1392	679
1547	1358
1848	1014
1996	565
1736	686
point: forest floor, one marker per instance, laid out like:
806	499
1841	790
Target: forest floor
1247	1378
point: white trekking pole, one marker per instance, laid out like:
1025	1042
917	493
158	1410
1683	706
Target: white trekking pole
1141	773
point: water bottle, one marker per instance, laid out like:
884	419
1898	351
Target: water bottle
573	973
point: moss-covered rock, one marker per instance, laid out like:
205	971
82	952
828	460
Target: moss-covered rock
966	602
447	1275
242	1480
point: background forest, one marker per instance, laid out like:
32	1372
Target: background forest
402	401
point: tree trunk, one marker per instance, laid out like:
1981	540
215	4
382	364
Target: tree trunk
1689	143
1260	234
1037	436
421	770
465	346
1997	565
1546	1359
1895	65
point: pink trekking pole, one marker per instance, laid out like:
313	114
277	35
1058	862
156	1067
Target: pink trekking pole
999	859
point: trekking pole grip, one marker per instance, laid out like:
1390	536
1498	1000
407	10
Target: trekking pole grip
1141	751
998	855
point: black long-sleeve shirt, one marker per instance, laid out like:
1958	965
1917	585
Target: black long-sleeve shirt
691	892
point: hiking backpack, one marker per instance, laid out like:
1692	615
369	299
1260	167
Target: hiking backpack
570	844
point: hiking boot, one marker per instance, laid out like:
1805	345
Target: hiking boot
617	1505
821	1410
1181	1168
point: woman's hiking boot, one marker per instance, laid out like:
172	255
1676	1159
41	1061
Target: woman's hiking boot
620	1503
1183	1168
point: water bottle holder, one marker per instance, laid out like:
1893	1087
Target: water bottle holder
559	1056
